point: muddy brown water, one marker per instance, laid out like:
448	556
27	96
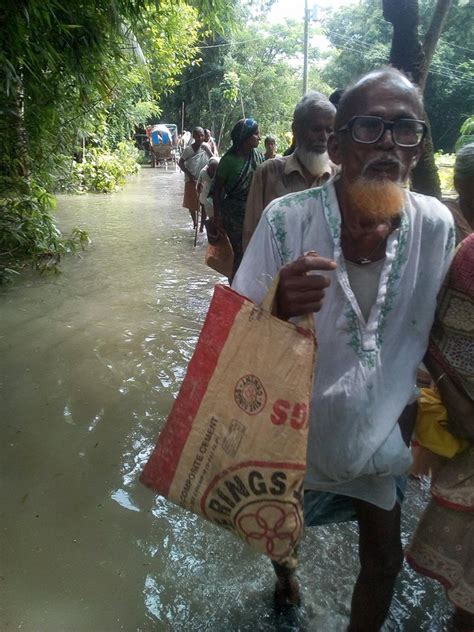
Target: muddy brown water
91	360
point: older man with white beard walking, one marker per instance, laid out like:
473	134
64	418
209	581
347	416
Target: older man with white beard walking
382	253
308	166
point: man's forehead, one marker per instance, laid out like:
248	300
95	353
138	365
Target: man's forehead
320	112
377	93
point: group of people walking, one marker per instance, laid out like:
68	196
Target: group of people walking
378	267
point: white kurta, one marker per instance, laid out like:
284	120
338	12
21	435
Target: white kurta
365	371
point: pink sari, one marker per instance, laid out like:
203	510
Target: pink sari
443	543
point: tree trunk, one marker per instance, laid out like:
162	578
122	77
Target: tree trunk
17	156
408	55
406	52
432	36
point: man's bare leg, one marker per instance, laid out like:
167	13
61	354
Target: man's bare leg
287	590
193	217
381	559
203	219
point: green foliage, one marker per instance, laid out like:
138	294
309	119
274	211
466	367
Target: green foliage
104	171
445	165
466	133
76	79
28	232
361	39
255	73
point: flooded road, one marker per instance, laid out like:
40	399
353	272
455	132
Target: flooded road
90	362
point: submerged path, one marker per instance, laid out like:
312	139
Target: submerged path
90	362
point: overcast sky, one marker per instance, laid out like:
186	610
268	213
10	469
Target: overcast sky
295	8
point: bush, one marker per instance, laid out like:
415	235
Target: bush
466	133
28	232
103	171
445	165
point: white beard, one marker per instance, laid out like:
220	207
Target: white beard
315	163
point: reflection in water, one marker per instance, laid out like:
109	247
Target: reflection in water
91	362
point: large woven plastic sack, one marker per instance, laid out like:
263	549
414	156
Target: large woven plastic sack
234	446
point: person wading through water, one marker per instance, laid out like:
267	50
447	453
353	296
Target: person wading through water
193	159
233	178
382	254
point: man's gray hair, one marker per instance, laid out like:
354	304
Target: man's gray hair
352	93
306	105
213	161
464	165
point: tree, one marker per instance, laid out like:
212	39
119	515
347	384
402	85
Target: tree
257	74
68	70
362	40
412	56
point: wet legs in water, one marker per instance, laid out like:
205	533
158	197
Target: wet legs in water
203	219
287	590
194	215
381	559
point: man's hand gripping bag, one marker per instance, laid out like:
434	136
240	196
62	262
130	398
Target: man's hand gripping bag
234	446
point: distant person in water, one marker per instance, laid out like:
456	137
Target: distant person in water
210	141
192	160
270	147
203	186
233	178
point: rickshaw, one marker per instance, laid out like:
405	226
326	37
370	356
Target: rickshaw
163	144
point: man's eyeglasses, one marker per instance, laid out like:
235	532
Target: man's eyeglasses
370	129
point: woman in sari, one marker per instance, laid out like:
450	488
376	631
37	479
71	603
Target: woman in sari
443	544
232	183
194	158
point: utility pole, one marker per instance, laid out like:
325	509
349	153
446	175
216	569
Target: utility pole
309	14
305	47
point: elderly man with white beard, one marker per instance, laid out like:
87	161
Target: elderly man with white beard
367	257
308	166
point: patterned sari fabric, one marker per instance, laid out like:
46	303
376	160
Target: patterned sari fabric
233	205
443	544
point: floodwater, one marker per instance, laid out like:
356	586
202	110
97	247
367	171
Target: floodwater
91	360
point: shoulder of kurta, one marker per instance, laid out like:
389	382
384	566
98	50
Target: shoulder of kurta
432	210
437	223
296	204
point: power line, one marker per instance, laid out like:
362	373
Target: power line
450	74
362	47
248	41
204	74
470	50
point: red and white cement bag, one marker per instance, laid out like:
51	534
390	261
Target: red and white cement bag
234	446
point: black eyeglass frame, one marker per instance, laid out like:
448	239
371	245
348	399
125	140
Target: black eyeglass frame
386	125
